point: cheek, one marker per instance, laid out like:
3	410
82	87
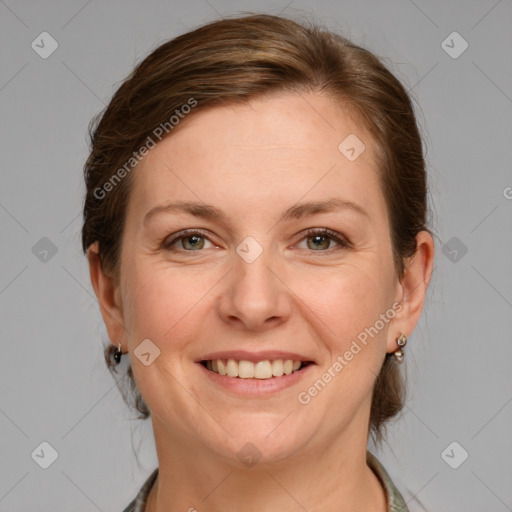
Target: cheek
348	307
152	301
345	306
163	304
347	299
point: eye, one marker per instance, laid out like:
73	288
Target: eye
320	239
190	241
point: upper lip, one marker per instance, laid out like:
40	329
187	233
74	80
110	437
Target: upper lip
245	355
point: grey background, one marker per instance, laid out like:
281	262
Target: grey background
55	386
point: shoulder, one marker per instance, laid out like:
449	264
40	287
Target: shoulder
138	504
396	502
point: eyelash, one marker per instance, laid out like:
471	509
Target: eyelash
344	244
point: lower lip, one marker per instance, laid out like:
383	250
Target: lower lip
256	386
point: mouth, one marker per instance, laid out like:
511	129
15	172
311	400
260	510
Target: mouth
261	370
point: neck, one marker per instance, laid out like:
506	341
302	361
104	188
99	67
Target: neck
336	474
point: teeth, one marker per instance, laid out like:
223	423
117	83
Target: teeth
262	370
277	368
232	368
248	370
221	367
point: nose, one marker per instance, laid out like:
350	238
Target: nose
255	298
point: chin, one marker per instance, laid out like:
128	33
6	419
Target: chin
258	440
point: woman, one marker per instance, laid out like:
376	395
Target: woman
255	226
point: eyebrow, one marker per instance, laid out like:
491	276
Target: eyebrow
297	211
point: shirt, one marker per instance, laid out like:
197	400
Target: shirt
395	500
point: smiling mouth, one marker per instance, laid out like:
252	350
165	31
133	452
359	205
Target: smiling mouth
266	369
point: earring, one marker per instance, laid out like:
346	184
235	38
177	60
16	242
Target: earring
117	354
402	341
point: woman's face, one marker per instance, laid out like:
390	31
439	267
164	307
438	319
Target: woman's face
253	280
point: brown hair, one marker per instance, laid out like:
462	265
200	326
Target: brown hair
231	61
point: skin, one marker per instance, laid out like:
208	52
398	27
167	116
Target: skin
254	161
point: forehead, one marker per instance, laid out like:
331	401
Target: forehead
272	149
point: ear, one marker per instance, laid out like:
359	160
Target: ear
108	294
413	288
